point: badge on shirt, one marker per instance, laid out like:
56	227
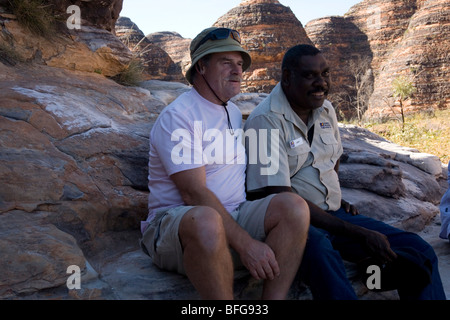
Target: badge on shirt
325	125
296	142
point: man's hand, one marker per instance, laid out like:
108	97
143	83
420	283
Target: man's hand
349	207
260	260
379	246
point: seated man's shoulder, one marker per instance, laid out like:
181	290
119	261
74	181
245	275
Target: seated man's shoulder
262	120
329	107
262	111
181	106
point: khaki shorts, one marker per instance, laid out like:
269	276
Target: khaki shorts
161	242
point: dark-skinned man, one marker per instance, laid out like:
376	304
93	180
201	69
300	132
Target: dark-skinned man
309	150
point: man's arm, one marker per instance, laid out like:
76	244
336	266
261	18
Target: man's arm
256	256
376	242
344	204
192	186
319	218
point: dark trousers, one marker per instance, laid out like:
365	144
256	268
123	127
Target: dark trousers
323	270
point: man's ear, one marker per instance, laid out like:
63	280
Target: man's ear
199	68
285	77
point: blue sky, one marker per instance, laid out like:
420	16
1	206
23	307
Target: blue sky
189	17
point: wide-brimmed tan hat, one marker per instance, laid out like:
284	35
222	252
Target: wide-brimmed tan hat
200	48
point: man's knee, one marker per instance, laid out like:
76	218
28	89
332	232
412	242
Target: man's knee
289	208
202	227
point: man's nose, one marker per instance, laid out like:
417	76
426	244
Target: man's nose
321	81
237	68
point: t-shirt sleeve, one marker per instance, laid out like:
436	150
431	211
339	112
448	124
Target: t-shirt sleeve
267	158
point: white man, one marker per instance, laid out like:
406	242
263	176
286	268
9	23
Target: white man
199	222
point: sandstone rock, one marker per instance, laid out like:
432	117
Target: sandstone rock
46	164
421	55
58	163
35	256
408	38
163	90
175	45
157	64
382	181
101	14
396	189
248	101
87	49
384	23
268	29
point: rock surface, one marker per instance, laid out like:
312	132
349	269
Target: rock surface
175	45
101	14
34	254
89	49
401	38
422	54
156	63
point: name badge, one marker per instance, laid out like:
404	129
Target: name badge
296	142
325	125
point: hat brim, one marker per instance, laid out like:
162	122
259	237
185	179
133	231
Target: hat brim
217	46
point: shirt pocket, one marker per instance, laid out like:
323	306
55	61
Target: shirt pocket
330	145
297	157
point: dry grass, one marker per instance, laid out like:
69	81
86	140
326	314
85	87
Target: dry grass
428	133
131	75
34	15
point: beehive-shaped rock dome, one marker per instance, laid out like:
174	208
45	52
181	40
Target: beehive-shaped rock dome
268	29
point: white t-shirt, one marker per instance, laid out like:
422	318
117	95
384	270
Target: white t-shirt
189	133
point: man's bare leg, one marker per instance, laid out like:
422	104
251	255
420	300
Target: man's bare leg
286	223
207	258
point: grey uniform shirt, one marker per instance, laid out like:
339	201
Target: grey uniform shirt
307	169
